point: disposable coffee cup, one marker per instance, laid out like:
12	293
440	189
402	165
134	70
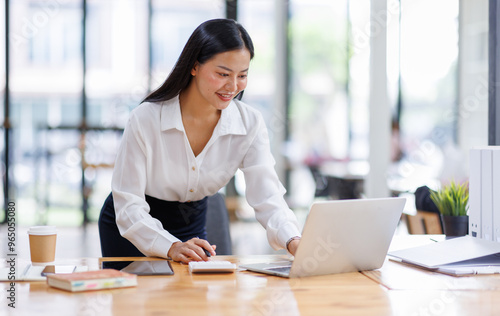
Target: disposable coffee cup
42	244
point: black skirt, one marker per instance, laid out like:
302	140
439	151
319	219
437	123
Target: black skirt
183	220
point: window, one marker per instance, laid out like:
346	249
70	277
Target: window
172	24
428	52
45	84
64	142
258	19
319	105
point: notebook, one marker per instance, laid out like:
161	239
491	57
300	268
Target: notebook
341	236
457	256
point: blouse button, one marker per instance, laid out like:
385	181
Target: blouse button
193	168
191	190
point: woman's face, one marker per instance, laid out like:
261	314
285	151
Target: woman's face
221	78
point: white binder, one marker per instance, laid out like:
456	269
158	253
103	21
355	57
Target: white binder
475	193
487	193
496	194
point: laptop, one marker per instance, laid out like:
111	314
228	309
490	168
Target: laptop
341	236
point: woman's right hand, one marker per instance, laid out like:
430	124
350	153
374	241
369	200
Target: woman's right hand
191	250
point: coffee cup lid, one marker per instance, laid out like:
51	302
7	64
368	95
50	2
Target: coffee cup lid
42	230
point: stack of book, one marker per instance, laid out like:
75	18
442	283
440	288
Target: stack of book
92	280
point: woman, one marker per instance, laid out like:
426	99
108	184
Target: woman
184	143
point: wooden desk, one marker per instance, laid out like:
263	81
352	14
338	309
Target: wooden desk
395	289
414	291
240	293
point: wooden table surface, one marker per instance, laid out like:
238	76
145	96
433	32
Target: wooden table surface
414	291
239	293
395	289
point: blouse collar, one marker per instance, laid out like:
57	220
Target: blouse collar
230	121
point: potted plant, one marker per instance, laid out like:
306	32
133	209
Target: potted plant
452	202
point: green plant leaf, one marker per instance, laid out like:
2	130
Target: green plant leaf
452	199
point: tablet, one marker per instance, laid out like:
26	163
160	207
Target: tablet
149	267
58	269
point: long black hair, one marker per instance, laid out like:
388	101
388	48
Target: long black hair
210	38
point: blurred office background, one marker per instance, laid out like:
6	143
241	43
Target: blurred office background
75	69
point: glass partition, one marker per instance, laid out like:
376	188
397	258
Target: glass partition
117	49
117	59
258	18
172	24
429	53
46	86
64	139
319	106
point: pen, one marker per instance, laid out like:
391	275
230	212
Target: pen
207	252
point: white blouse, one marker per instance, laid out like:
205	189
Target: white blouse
155	159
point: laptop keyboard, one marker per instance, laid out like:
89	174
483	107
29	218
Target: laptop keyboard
280	269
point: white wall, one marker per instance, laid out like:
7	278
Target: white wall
473	75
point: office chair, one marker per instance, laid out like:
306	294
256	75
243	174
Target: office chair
424	223
218	225
427	219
